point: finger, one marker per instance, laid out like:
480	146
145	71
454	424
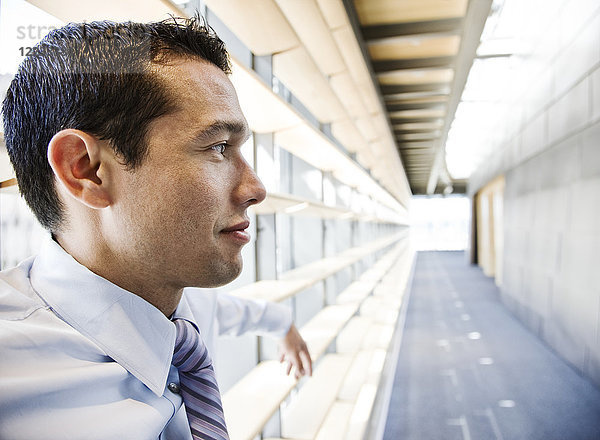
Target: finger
298	364
282	357
289	368
307	361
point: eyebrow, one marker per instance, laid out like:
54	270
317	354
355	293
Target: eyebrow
219	127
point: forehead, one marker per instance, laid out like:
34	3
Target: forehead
201	90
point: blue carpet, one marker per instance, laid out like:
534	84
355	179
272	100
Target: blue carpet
468	369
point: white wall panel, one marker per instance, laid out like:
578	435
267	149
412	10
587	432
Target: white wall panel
585	207
579	57
548	150
595	85
561	164
578	283
535	136
570	113
590	155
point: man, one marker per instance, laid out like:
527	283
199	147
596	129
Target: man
125	139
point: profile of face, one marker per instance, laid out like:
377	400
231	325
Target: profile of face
182	214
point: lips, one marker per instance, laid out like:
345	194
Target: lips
239	227
237	233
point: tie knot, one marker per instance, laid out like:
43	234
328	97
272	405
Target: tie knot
190	352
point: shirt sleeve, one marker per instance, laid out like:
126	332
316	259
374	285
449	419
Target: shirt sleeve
236	316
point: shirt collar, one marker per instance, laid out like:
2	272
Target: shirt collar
129	329
184	311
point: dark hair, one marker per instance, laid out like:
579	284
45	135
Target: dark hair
96	77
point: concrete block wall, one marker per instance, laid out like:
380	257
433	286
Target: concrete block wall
548	149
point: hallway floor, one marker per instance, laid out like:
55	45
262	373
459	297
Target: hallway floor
468	369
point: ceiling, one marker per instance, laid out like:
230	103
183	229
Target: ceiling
385	75
420	52
382	78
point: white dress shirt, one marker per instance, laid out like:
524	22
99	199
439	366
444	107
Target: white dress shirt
81	358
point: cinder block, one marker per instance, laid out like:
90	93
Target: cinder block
512	152
574	19
536	246
580	252
527	210
576	301
559	336
522	312
509	241
552	209
522	179
513	118
543	209
534	136
509	218
510	275
519	241
579	57
585	207
570	113
518	293
534	321
541	294
595	79
512	184
531	175
560	165
504	157
545	251
541	92
590	144
509	301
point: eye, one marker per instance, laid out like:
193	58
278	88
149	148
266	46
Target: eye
219	148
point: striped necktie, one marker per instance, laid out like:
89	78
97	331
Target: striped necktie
198	384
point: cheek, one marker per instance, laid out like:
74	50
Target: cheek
194	200
175	202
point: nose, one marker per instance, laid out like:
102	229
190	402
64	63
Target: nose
251	190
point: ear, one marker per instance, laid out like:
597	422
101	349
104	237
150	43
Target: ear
77	161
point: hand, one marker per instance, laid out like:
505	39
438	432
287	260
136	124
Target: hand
294	350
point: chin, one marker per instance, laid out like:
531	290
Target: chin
223	275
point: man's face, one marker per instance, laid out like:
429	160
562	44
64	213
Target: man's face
181	214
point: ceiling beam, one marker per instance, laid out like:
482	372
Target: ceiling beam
416	149
415	106
422	145
414	130
411	63
448	25
412	88
398	121
417	154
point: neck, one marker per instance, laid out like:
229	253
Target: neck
127	274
